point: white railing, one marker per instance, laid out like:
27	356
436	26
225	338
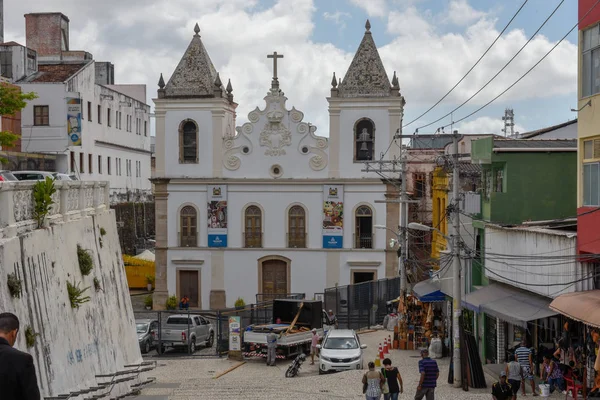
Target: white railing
73	199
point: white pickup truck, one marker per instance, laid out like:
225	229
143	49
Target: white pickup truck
186	331
298	340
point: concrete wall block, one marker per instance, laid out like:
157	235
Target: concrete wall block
73	344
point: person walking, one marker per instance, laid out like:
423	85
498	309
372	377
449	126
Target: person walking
524	357
502	390
552	374
515	376
271	347
394	380
17	372
313	346
372	383
430	373
333	322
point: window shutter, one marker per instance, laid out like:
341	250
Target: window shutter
596	148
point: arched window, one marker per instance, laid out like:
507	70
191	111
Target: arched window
188	142
364	140
188	223
252	227
363	228
297	227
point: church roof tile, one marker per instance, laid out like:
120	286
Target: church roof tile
195	74
366	76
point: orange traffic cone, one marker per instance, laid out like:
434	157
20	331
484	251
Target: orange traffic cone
386	348
390	342
378	359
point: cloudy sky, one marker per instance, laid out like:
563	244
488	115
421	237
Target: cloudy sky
429	43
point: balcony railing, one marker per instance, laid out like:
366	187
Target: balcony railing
297	240
72	200
252	239
363	241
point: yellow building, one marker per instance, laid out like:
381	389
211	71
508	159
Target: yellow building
440	189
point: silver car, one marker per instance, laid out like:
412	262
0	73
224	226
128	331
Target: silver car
341	351
147	332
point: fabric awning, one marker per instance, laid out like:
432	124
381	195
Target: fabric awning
428	292
580	306
509	304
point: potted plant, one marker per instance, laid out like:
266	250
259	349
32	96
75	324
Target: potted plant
150	282
239	303
148	302
171	303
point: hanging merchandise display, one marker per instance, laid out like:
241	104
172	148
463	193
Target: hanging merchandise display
423	323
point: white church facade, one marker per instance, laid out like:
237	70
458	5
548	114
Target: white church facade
271	207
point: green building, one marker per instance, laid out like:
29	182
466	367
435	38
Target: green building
522	180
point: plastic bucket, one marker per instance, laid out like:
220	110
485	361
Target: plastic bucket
544	390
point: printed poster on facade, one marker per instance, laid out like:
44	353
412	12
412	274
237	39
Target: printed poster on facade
217	216
235	338
333	216
74	121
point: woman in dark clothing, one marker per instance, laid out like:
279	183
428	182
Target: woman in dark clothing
394	380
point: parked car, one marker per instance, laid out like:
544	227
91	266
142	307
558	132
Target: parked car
7	176
32	175
147	332
61	177
187	331
341	351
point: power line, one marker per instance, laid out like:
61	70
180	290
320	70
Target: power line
526	73
473	67
499	72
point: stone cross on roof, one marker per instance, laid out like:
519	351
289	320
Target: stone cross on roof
275	56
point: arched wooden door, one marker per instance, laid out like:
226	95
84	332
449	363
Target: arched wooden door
274	278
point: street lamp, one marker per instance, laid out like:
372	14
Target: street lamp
392	244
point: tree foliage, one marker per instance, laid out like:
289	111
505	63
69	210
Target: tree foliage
12	101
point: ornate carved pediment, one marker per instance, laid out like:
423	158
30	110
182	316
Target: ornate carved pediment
274	129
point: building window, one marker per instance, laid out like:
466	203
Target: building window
90	169
89	111
145	128
99	114
188	220
590	82
591	184
420	184
81	158
297	227
41	115
364	140
188	142
6	64
252	227
499	181
363	228
100	164
72	162
108	171
108	116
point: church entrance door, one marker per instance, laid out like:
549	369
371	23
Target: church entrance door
274	278
189	286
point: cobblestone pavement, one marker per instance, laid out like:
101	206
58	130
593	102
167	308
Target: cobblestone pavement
184	378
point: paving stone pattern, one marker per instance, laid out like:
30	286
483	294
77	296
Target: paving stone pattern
254	380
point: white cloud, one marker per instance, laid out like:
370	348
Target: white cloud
146	37
373	8
338	17
483	125
461	13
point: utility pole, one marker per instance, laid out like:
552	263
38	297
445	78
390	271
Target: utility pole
403	224
456	309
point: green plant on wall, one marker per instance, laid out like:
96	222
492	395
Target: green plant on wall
97	286
42	199
30	336
76	296
240	303
14	285
102	231
85	261
150	280
171	303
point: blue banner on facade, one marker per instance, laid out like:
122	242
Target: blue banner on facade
217	240
333	242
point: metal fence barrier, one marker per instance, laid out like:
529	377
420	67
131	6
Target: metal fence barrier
361	305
